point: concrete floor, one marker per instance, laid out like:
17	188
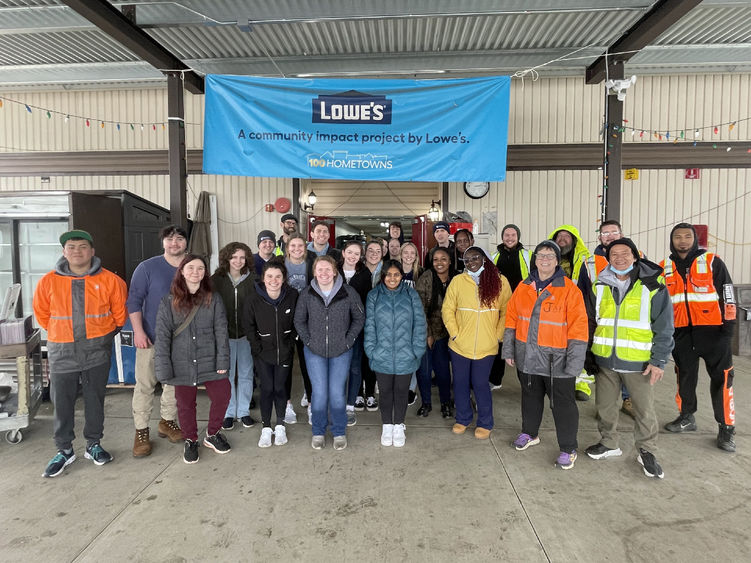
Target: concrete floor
440	498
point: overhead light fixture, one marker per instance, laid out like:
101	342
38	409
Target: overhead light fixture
434	213
619	87
312	199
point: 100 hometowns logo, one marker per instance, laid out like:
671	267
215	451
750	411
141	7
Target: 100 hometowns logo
351	107
343	159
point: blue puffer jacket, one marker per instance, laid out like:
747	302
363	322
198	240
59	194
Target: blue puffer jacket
395	329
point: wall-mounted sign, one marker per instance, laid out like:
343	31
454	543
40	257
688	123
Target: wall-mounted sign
427	130
631	174
691	174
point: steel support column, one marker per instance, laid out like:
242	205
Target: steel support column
612	149
178	176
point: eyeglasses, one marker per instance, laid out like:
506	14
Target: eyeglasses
610	234
544	257
474	258
392	275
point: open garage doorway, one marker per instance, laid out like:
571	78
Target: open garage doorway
365	209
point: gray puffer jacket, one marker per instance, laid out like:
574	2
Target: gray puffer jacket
329	326
193	356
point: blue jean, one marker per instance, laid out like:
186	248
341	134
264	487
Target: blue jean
436	360
328	377
472	374
240	363
355	370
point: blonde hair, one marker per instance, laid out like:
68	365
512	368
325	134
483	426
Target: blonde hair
304	245
416	269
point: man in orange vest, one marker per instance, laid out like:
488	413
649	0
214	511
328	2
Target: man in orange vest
82	307
704	313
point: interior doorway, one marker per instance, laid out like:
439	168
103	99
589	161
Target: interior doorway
365	209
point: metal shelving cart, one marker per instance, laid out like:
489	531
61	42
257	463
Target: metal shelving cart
26	359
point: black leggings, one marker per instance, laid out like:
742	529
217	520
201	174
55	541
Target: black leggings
368	379
273	380
497	371
393	396
303	369
560	391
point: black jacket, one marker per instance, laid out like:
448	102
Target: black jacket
233	298
428	262
361	282
329	327
508	264
269	325
193	356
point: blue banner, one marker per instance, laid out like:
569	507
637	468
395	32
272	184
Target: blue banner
408	130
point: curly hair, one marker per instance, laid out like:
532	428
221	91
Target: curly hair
489	284
225	254
182	299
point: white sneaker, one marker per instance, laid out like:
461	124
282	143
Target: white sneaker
387	435
265	440
399	437
290	417
280	435
304	401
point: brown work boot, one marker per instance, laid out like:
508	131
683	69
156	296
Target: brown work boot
142	444
169	429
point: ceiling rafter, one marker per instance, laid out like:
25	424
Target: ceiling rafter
654	23
112	22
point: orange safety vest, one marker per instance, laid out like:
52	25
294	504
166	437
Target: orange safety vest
697	300
562	314
105	296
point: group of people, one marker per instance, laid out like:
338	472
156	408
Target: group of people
365	317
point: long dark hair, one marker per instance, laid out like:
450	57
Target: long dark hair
182	299
437	289
490	283
359	266
226	253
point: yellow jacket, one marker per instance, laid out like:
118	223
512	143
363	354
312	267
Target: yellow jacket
474	330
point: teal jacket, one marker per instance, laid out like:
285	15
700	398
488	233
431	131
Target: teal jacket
395	329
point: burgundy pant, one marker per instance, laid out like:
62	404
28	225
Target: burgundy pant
219	394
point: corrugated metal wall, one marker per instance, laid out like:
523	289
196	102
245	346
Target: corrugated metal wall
146	110
555	110
536	202
240	201
720	199
540	201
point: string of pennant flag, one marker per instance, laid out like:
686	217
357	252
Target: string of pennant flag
683	134
90	121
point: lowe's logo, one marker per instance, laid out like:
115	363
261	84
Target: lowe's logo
352	107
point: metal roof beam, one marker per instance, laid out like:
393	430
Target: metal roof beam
653	24
116	25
